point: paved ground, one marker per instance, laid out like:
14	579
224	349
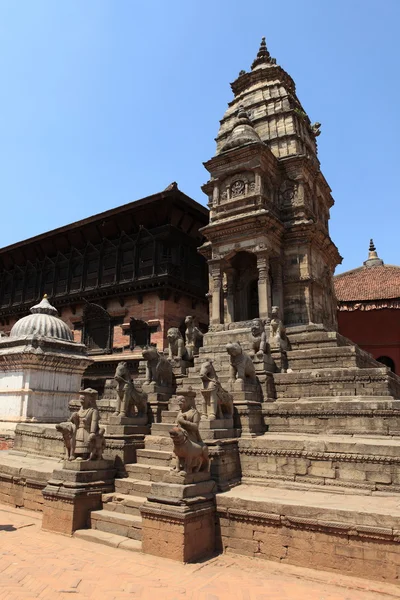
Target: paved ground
35	564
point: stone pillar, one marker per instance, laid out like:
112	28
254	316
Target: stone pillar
263	285
215	270
230	294
277	289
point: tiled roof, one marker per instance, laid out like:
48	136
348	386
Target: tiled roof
368	283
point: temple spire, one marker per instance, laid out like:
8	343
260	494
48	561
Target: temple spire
373	258
263	56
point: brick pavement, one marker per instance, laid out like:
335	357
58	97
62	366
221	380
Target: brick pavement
36	564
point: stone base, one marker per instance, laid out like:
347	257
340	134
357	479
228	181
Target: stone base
217	429
116	420
347	534
182	533
225	463
73	492
177	490
248	417
360	415
22	479
157	399
360	464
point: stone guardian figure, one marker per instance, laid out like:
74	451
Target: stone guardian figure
83	437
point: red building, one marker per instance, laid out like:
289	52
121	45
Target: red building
368	308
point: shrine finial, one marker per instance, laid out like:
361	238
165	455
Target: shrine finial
263	56
373	258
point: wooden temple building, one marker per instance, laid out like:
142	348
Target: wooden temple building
119	279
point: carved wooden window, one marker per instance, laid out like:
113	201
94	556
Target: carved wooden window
146	260
7	288
92	271
30	285
62	278
97	330
108	267
48	281
140	333
126	271
18	287
76	274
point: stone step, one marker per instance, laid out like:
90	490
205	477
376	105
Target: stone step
340	357
109	539
119	523
149	456
354	415
337	382
159	442
147	472
123	503
345	533
161	429
369	463
134	487
315	339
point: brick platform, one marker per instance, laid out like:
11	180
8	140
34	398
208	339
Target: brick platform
36	564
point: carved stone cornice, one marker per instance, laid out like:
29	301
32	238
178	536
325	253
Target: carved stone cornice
331	456
310	524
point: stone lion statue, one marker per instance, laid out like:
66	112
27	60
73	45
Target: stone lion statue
217	403
158	369
193	337
176	345
242	367
259	338
190	456
130	402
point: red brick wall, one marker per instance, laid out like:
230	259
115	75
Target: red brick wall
376	331
160	313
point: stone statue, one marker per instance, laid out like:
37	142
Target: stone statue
158	369
83	438
176	345
316	129
190	457
189	417
193	337
177	353
130	402
277	332
259	338
217	403
242	367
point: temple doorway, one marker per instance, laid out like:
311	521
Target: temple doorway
245	286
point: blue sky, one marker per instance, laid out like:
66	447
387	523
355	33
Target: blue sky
107	101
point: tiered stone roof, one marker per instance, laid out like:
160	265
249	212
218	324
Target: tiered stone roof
372	286
268	95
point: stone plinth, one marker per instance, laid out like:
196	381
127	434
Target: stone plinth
344	533
73	492
217	429
178	519
125	435
157	399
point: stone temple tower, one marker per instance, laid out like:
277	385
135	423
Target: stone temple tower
268	240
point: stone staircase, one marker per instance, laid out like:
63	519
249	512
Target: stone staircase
119	523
